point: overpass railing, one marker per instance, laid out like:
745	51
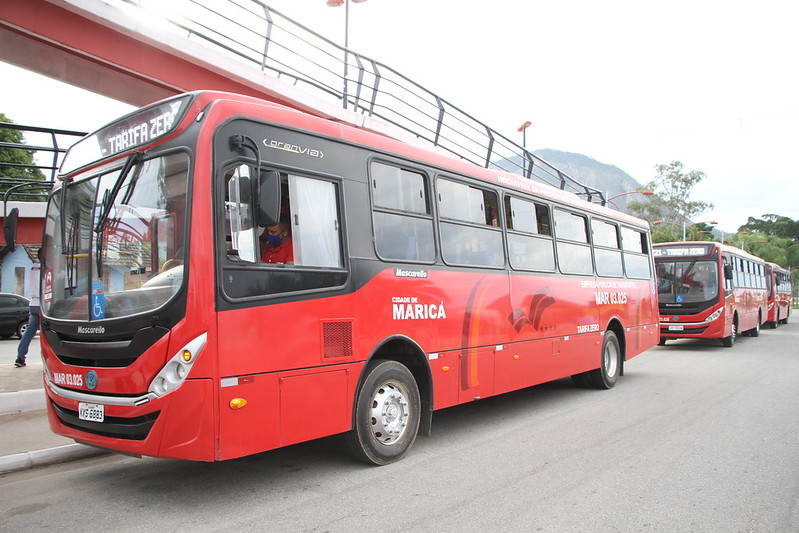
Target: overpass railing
251	32
24	176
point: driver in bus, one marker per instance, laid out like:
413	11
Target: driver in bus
279	248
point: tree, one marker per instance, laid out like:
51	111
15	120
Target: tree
671	202
774	238
775	225
10	157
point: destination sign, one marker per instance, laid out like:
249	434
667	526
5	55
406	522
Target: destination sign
140	128
681	251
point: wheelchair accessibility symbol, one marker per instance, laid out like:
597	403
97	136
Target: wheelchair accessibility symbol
98	305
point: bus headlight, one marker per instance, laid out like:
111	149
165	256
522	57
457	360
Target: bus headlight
714	315
177	369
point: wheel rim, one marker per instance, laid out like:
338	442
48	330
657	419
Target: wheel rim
610	359
390	413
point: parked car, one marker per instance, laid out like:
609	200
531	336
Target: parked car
14	310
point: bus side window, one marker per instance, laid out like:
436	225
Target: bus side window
571	235
401	212
315	224
607	253
240	232
529	241
469	225
636	253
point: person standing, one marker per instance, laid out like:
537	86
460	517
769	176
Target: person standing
33	318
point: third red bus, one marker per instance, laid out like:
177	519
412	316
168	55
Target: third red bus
780	294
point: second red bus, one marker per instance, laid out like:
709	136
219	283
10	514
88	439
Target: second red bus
709	290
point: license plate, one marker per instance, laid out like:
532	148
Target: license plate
93	412
676	328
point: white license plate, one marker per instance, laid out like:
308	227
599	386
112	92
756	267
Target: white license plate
676	328
93	412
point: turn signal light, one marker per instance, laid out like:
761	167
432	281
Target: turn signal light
186	355
237	403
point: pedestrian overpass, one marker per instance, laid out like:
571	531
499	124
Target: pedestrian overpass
140	51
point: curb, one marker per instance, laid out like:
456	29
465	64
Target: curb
17	402
48	456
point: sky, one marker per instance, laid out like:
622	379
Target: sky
630	83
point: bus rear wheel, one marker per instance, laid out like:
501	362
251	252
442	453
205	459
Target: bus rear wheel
607	374
387	414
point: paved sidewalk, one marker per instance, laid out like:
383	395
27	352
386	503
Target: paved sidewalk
25	437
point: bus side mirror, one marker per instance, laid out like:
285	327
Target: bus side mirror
267	212
10	229
728	272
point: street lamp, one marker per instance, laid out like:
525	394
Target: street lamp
523	129
346	4
645	192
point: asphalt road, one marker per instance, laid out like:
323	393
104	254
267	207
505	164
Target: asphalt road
695	437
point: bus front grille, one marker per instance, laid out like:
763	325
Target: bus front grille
115	427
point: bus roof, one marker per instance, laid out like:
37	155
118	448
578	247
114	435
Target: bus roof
286	116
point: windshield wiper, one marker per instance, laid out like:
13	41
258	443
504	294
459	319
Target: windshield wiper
108	200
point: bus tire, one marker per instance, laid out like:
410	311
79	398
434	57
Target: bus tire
387	414
729	340
607	374
755	331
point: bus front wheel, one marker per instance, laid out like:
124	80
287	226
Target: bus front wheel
728	341
387	414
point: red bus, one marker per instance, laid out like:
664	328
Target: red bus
709	290
780	294
417	282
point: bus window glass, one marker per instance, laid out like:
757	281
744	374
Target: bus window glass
636	258
399	189
608	262
405	233
606	249
241	234
687	281
570	226
633	241
458	201
572	258
528	228
476	239
605	234
315	226
124	250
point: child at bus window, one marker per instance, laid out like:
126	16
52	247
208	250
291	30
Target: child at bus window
278	248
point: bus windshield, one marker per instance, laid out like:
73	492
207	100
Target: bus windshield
689	281
119	249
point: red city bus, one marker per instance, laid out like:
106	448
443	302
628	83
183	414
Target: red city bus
416	282
780	294
709	290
